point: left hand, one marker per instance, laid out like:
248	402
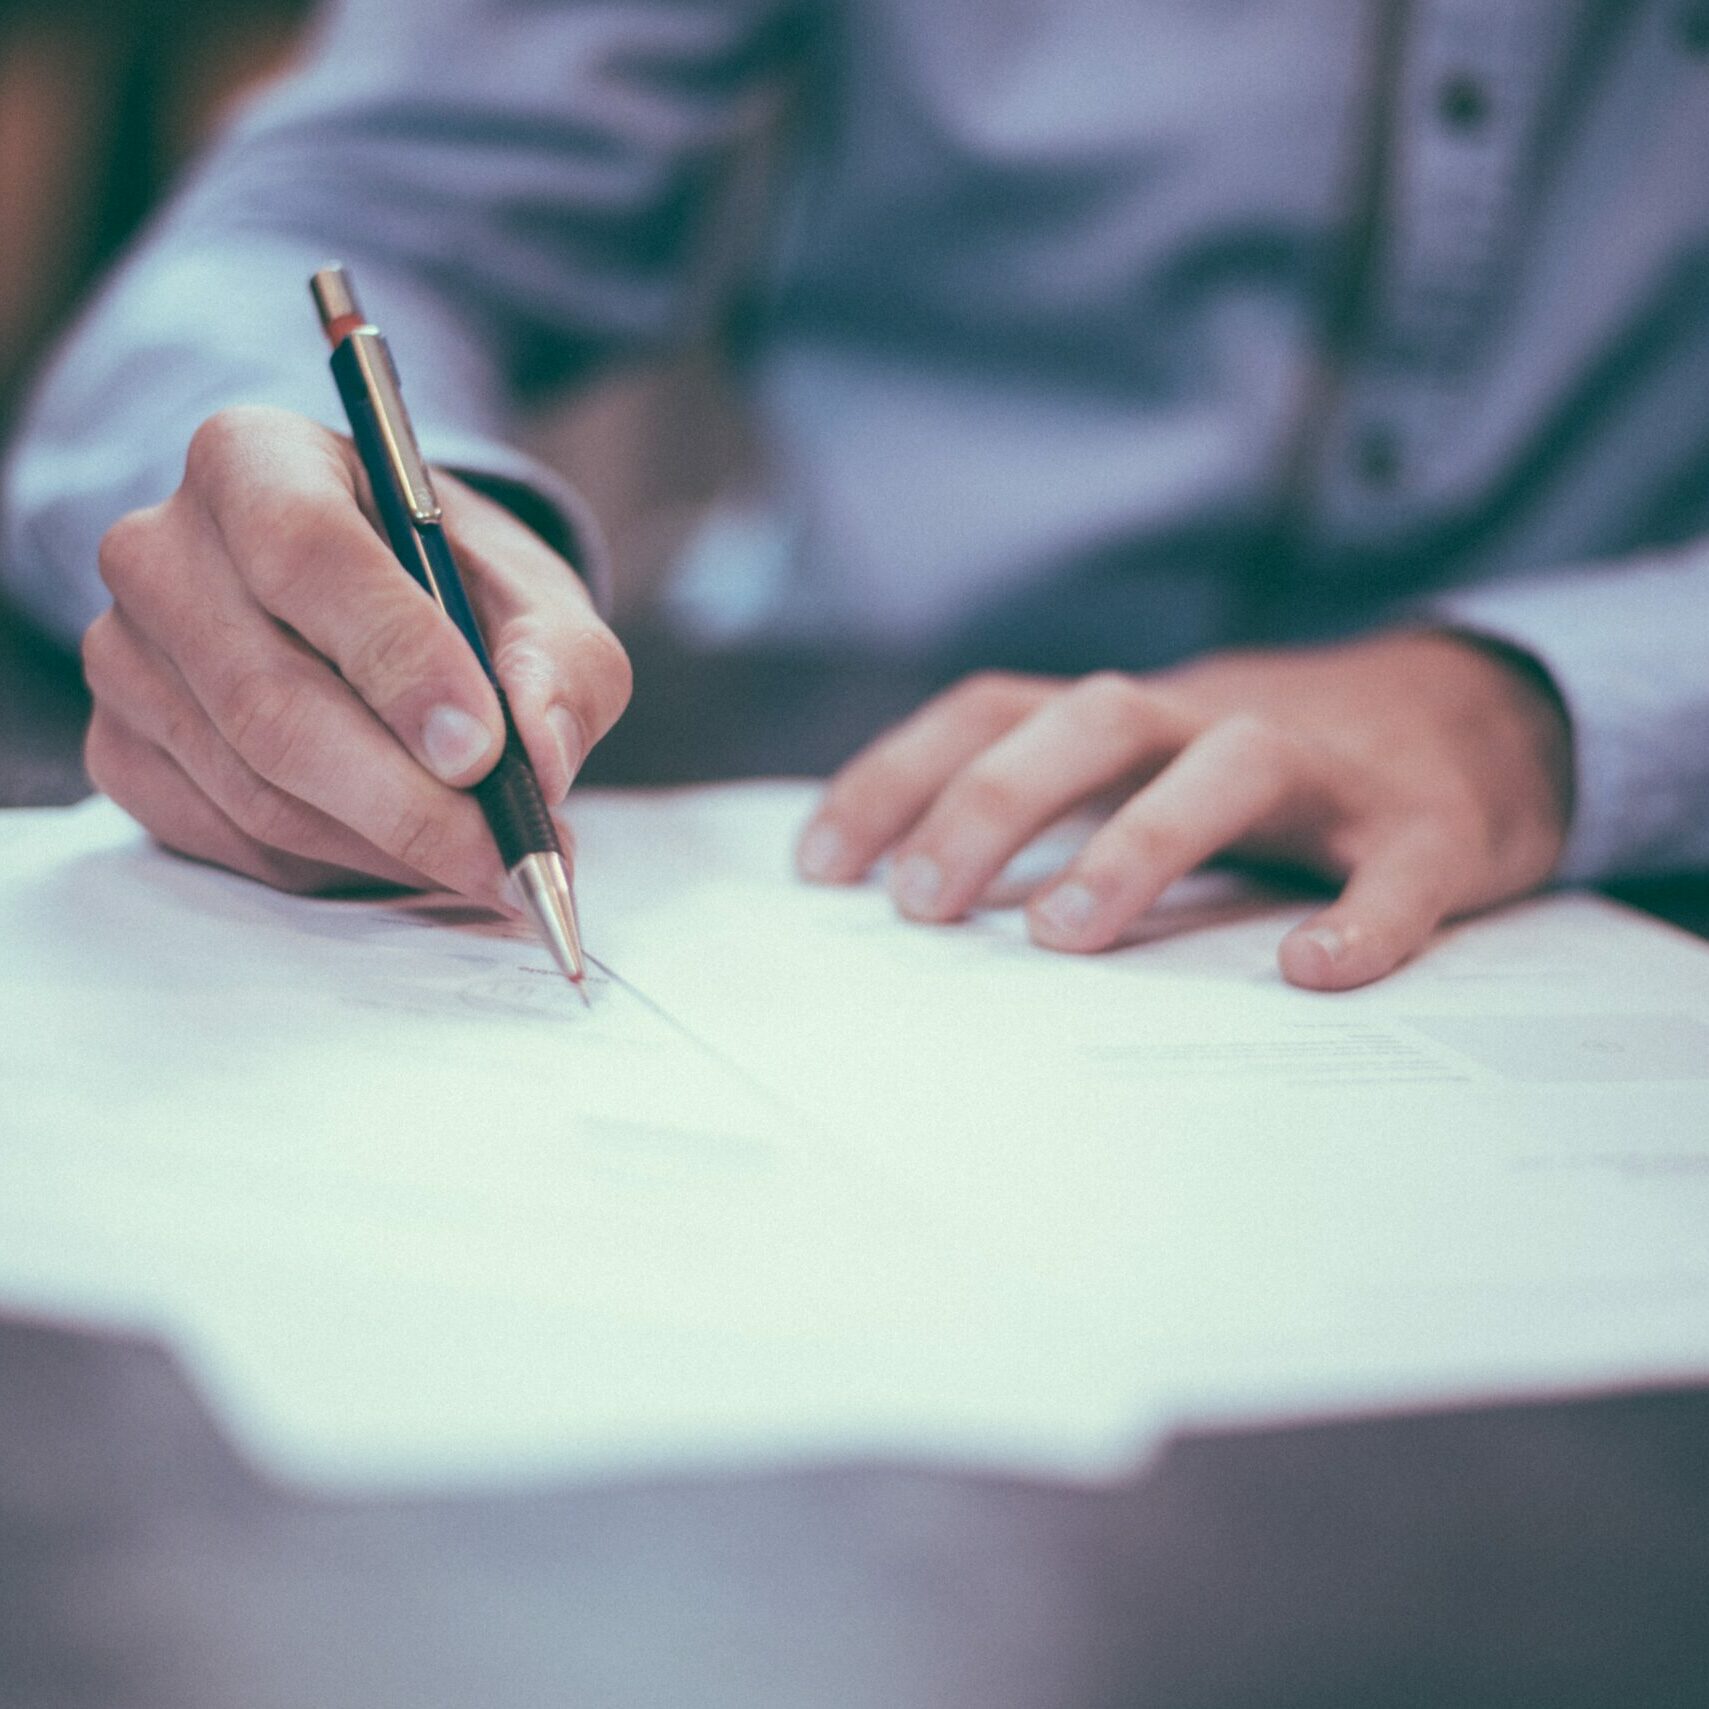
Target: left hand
1428	773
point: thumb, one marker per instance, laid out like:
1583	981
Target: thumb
1390	905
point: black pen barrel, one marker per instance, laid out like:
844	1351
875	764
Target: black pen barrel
509	795
514	804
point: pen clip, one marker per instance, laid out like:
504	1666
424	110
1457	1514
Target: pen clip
408	466
345	324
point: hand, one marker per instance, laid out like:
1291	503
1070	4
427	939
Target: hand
273	693
1428	772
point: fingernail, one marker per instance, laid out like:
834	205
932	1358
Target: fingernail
1066	909
916	883
821	851
568	733
1328	940
454	742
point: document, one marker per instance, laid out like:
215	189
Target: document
807	1182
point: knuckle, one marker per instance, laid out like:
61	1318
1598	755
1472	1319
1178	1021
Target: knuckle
1256	744
216	444
101	649
853	799
610	667
590	667
1112	702
293	528
100	755
524	652
123	553
859	790
985	692
262	716
263	811
988	702
183	727
226	440
424	841
985	796
1149	845
404	645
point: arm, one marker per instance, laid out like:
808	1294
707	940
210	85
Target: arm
518	187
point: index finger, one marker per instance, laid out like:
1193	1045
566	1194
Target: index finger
565	674
1212	795
884	790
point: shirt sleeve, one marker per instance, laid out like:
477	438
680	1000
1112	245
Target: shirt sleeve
520	191
1627	647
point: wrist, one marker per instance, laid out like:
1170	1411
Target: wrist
1513	703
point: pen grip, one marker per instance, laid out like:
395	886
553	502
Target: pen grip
513	802
510	794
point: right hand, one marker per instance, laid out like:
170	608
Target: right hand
275	694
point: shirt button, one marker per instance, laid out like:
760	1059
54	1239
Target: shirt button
1462	101
1376	454
1693	27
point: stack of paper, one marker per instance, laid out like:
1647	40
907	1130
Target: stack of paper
807	1181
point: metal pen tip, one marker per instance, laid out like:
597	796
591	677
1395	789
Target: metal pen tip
543	883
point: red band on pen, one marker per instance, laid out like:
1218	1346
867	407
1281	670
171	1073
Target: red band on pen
341	326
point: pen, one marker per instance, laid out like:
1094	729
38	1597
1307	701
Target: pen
509	795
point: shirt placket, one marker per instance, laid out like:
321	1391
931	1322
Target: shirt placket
1467	106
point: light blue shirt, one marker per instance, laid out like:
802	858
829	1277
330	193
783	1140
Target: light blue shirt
1082	332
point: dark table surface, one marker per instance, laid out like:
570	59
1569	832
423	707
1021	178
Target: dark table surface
1518	1555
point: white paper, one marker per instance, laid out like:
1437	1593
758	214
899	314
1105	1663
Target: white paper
807	1181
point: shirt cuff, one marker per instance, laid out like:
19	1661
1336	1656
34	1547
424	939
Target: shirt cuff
1624	647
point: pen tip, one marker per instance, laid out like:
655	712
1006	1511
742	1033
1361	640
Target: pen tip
543	883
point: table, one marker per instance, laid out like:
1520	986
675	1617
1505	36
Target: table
1504	1556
